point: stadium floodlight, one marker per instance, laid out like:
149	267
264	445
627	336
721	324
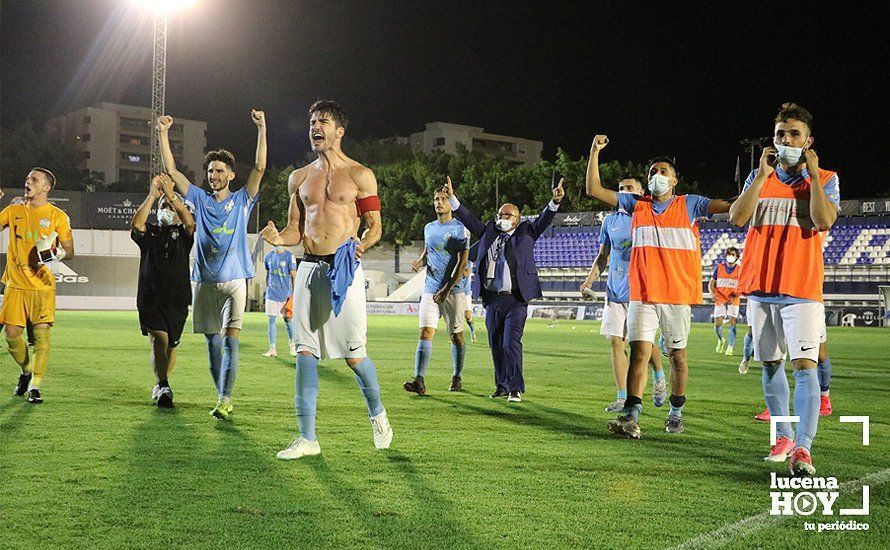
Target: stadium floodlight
165	6
159	73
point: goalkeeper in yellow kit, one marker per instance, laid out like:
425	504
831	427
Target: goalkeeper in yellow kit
39	233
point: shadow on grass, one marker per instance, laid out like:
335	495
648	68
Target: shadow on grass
529	414
14	412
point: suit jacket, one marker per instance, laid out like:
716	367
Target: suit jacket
520	252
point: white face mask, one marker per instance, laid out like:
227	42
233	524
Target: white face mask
165	217
659	185
789	155
731	259
504	225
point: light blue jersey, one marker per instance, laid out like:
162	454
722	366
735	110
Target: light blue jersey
278	279
444	242
616	232
221	252
466	284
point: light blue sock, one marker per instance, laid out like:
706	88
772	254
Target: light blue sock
776	393
719	331
366	377
677	403
457	357
806	405
214	352
306	395
824	369
732	334
289	327
273	334
422	357
662	346
749	346
622	395
229	370
658	375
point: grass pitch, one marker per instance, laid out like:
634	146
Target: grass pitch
98	466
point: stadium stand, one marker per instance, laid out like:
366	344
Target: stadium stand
857	257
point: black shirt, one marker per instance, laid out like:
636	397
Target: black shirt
163	266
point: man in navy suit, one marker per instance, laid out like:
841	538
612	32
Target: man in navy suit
506	280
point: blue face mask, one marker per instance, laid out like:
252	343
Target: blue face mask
789	155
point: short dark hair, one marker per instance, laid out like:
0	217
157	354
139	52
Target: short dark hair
732	249
667	160
795	111
330	107
49	175
634	177
221	155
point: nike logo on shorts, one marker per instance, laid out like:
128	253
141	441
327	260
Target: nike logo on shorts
806	349
355	348
678	341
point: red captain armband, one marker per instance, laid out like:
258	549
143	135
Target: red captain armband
368	204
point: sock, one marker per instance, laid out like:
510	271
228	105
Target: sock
306	395
289	327
18	348
622	395
422	358
273	334
776	393
719	331
214	351
41	355
658	375
472	328
662	346
163	384
749	346
633	406
366	377
732	334
229	369
806	405
824	370
677	402
457	357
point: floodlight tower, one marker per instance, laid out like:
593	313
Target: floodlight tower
162	9
158	87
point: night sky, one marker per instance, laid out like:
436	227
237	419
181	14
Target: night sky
684	79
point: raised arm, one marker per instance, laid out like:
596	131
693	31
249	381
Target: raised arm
543	221
174	200
144	210
367	188
743	207
462	213
165	122
292	234
718	206
259	164
822	211
595	187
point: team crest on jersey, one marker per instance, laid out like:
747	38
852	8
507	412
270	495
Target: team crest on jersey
230	206
44	222
282	263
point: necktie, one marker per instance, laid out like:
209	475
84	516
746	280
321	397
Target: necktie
500	260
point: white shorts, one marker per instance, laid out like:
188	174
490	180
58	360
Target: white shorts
614	320
317	329
216	306
777	327
275	308
452	309
726	311
644	319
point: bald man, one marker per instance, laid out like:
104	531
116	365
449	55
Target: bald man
506	280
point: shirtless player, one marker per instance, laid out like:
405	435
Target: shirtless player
329	296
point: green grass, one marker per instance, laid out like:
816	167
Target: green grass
98	466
